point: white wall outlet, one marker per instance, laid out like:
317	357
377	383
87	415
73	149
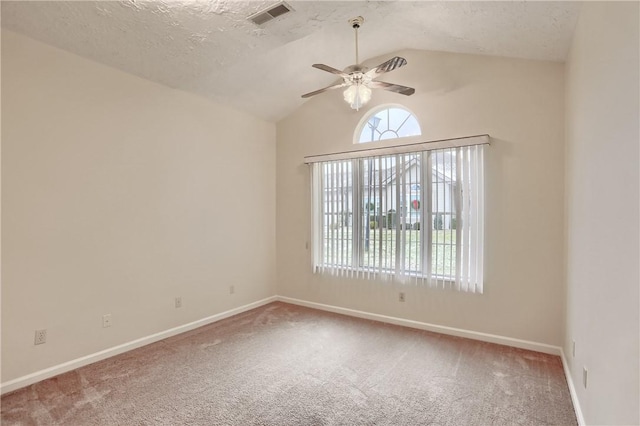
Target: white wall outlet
232	289
584	376
106	320
401	296
178	302
41	337
573	349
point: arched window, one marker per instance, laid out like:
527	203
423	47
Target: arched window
388	123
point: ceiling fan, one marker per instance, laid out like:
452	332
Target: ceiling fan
359	79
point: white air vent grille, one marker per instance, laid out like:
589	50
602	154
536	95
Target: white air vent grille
270	13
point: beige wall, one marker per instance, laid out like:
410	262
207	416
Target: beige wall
602	211
119	194
520	104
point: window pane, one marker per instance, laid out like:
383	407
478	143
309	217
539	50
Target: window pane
378	239
443	238
397	117
337	223
390	123
383	117
409	128
412	208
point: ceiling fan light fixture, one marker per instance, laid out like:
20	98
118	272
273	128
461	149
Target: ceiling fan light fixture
357	95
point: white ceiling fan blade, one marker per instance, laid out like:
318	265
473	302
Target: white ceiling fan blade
332	70
335	86
403	90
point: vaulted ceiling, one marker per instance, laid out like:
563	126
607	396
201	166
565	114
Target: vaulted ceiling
211	49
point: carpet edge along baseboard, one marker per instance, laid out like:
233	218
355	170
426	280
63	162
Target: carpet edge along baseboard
46	373
55	370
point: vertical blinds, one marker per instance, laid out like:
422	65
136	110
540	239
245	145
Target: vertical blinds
411	217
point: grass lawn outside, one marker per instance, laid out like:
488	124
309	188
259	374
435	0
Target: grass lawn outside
382	249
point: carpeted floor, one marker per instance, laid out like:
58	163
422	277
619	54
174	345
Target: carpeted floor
287	365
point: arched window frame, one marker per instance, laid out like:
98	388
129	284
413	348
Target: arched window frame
375	111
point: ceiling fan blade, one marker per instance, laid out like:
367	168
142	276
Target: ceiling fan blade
334	86
332	70
403	90
390	65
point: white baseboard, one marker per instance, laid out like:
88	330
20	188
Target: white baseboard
116	350
459	332
572	390
29	379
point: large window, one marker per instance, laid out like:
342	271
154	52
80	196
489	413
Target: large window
409	216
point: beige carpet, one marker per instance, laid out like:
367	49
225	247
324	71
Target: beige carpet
287	365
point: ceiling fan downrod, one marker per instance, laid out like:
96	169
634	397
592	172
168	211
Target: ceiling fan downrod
355	24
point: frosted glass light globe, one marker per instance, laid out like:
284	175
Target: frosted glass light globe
357	95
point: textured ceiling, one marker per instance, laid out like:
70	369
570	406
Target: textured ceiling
209	47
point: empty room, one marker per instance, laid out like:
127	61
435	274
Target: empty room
320	213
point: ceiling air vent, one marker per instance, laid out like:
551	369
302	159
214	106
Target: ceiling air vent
270	13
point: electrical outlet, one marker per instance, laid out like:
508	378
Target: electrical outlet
232	289
584	376
106	320
401	297
41	337
178	302
573	349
